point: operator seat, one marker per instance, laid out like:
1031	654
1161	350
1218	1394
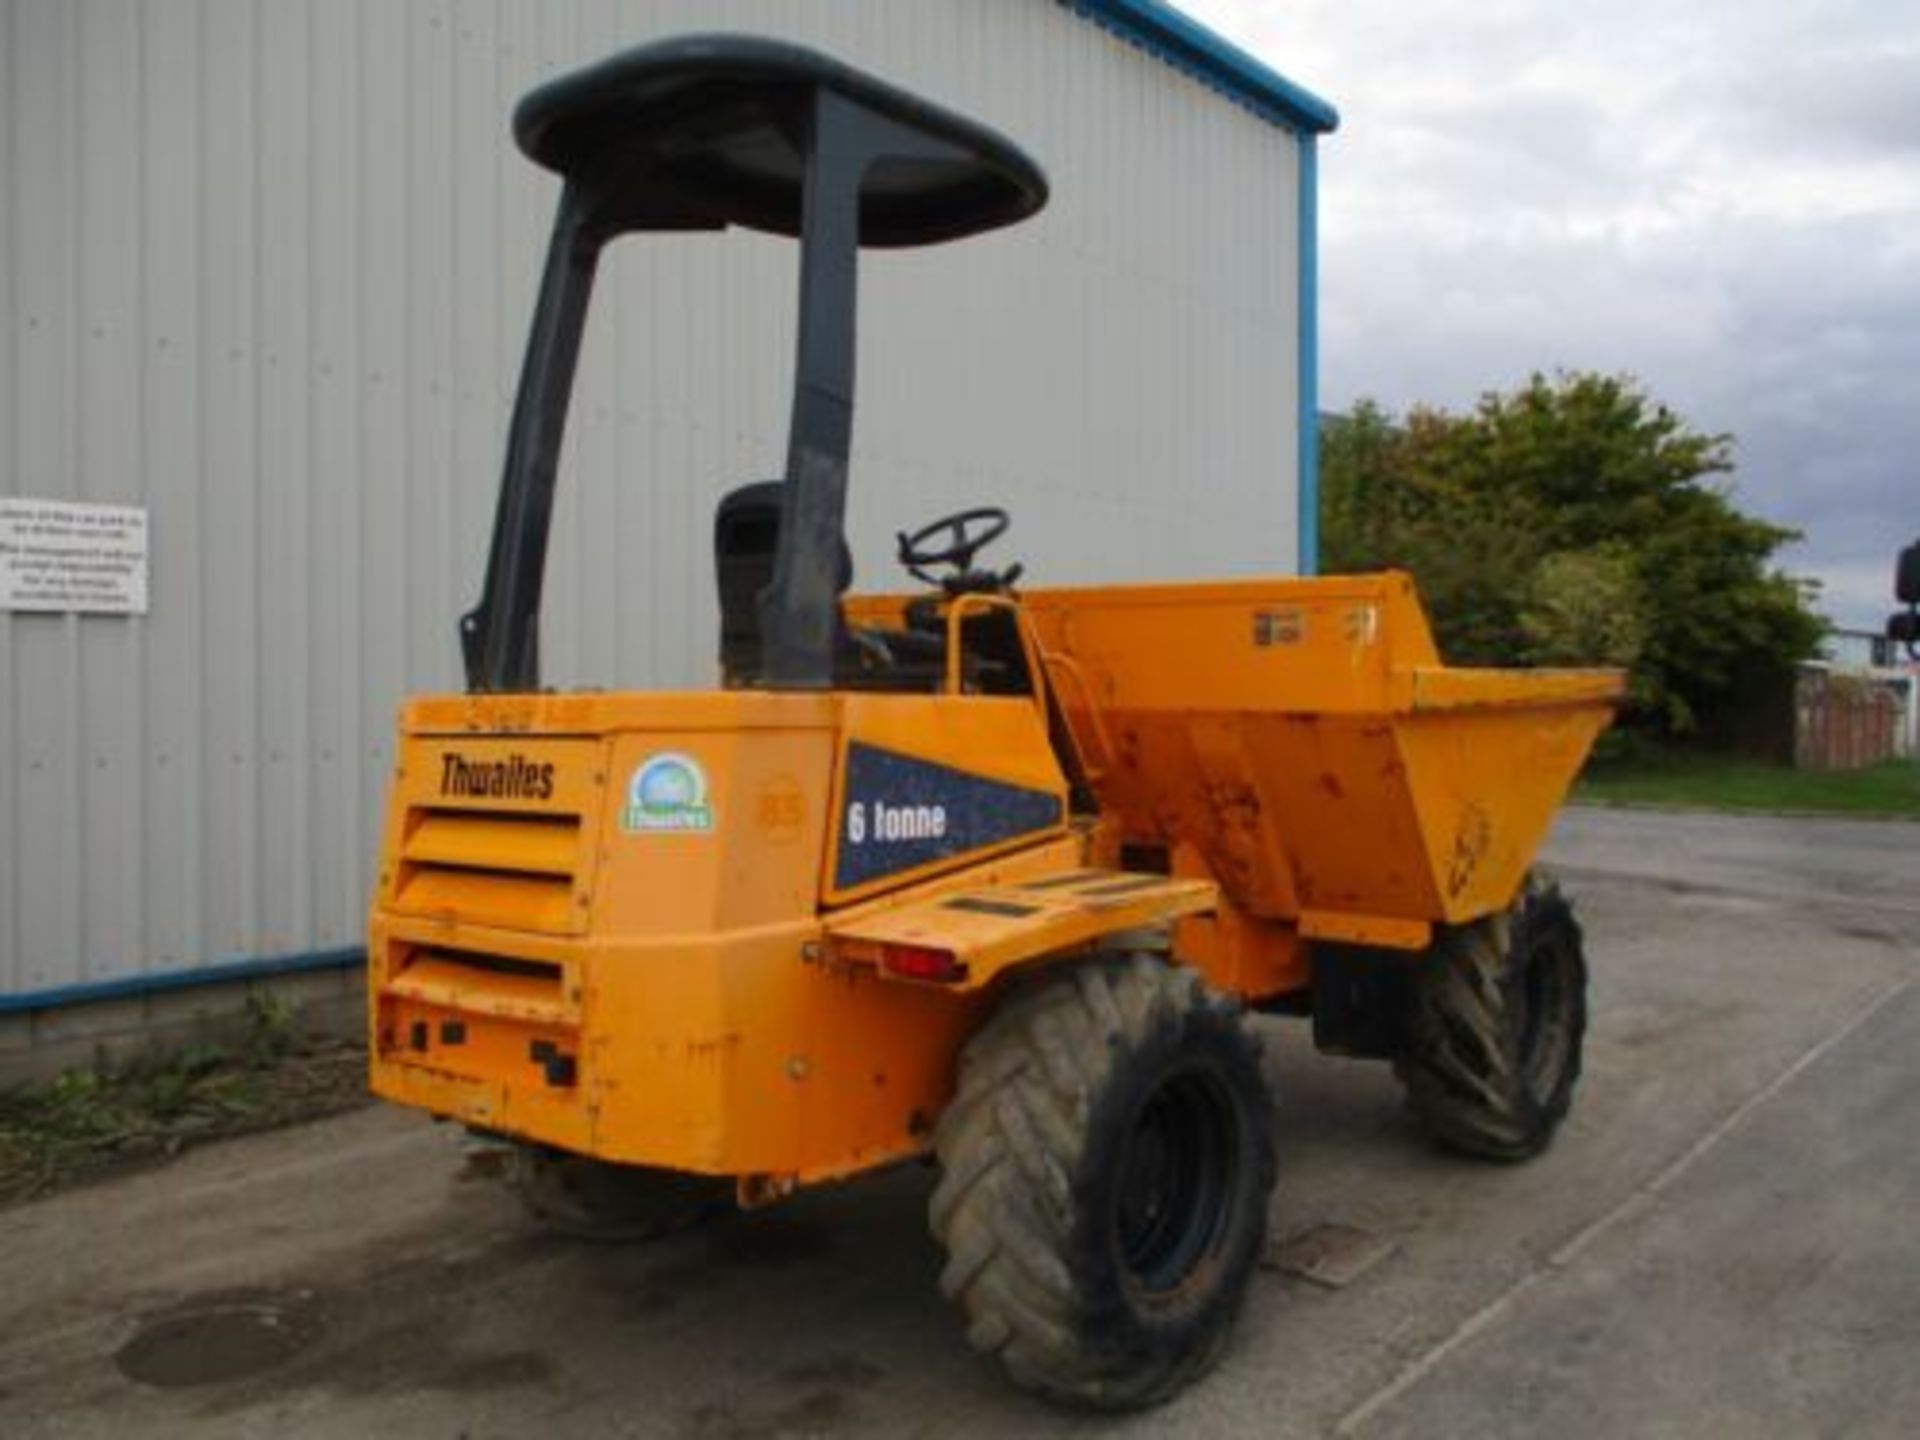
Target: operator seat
746	538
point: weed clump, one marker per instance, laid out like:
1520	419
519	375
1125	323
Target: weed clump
94	1120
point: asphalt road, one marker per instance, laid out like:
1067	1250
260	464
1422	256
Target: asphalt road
1723	1241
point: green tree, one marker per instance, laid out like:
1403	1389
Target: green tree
1585	607
1573	521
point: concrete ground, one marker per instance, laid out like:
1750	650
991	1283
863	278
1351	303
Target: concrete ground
1723	1241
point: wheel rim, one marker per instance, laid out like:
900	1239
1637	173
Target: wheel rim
1178	1173
1544	1039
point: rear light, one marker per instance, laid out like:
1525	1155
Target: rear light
923	962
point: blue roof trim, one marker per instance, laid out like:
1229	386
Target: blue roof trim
1189	46
1307	528
260	968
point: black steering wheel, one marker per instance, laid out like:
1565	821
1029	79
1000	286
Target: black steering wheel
969	532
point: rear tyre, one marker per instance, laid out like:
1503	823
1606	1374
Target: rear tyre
1105	1172
587	1199
1494	1030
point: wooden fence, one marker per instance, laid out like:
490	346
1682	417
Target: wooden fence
1844	722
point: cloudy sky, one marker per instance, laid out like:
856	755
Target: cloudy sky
1721	197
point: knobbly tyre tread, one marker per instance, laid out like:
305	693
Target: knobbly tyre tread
596	1200
1462	1065
1022	1209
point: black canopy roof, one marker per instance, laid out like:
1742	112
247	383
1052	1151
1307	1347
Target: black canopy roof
714	128
700	133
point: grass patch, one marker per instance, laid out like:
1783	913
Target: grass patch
92	1122
1713	782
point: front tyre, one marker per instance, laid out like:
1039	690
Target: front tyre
1105	1166
1494	1032
587	1199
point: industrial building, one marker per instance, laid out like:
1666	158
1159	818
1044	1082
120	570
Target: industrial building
265	270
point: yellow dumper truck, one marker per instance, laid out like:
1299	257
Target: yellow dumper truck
978	874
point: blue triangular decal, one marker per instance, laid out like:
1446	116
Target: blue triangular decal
899	813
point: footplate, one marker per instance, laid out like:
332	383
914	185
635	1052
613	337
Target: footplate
962	940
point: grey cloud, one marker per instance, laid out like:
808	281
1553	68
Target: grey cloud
1718	198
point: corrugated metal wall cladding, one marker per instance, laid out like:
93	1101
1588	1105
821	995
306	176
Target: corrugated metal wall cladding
265	268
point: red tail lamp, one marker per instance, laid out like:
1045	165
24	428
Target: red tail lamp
923	962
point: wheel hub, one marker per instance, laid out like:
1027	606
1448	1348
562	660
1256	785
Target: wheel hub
1176	1181
1544	1040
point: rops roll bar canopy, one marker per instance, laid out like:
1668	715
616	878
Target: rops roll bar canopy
701	133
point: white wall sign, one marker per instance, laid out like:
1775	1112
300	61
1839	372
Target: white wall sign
63	555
